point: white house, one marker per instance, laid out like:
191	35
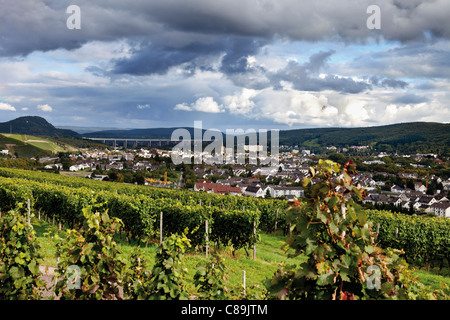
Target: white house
255	191
440	198
79	167
420	187
396	189
278	191
426	200
374	162
99	177
53	166
380	183
266	171
446	184
304	169
114	165
239	170
441	209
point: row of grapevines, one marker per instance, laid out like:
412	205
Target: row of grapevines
139	213
422	238
272	210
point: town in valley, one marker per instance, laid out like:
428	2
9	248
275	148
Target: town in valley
408	183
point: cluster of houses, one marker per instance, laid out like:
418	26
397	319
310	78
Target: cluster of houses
414	199
97	159
254	181
250	187
409	199
283	181
405	198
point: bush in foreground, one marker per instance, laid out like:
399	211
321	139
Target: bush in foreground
19	254
344	262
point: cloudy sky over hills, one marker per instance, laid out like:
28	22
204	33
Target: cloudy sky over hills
231	64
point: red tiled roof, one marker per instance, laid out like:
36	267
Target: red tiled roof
217	188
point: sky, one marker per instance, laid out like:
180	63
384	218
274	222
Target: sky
262	64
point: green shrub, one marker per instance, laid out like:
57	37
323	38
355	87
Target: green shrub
137	277
168	273
19	255
343	261
210	279
89	265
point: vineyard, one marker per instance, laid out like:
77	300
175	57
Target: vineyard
231	219
424	240
152	214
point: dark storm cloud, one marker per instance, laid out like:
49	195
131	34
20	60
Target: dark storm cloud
411	99
29	25
318	60
191	34
428	59
392	83
40	25
387	82
151	58
306	77
303	77
238	49
402	20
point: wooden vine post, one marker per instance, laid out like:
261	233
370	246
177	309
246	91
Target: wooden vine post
254	245
160	228
207	238
276	220
29	211
243	280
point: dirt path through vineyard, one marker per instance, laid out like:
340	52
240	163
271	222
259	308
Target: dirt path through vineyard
47	277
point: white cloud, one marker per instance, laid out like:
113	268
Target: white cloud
241	103
6	107
183	107
355	112
417	112
82	76
45	108
204	104
207	104
296	107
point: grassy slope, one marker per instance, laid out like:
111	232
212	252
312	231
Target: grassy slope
21	148
269	256
28	145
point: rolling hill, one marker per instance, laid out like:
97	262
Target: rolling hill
152	133
414	137
423	137
32	146
33	136
404	137
34	125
